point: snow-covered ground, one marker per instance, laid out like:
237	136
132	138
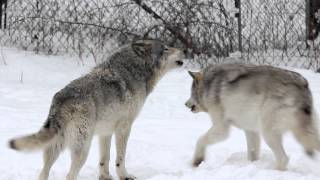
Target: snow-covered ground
162	140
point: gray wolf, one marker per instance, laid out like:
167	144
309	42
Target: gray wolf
104	102
261	100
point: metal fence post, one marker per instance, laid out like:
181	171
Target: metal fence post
0	14
3	14
238	15
307	21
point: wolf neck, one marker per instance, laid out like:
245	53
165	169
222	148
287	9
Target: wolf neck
155	77
135	72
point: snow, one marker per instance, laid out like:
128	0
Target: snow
162	140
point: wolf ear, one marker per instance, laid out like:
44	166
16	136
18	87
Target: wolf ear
142	48
196	75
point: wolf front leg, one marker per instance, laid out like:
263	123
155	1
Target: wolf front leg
105	142
253	145
122	134
214	135
218	132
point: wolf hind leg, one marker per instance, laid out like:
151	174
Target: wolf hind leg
253	145
79	156
80	141
50	155
274	141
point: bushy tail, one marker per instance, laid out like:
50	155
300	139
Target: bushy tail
33	141
49	130
307	133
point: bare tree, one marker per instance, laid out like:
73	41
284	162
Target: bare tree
207	28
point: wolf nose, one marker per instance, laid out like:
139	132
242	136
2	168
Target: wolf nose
189	104
185	51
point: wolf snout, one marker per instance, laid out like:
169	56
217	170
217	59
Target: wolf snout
190	105
182	56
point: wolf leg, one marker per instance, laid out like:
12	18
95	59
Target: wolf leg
122	134
253	145
79	154
50	155
105	142
215	134
274	141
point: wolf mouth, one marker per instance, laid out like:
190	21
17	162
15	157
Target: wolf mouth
179	63
193	108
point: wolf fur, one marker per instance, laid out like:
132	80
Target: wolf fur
261	100
104	102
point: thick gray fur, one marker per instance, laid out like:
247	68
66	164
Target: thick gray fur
261	100
104	102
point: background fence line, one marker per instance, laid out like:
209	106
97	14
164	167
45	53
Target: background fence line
275	32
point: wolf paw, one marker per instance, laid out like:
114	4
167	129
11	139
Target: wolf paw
197	161
109	177
129	177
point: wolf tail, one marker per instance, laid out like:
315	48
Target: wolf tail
49	130
32	142
307	133
37	140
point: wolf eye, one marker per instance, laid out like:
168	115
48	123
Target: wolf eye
166	49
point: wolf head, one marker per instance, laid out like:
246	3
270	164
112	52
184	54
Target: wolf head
157	54
195	101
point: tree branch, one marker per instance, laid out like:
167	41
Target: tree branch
176	31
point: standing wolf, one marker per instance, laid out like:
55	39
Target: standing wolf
258	99
103	102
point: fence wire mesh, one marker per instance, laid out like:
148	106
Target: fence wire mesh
271	31
275	32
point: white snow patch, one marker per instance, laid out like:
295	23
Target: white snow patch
162	140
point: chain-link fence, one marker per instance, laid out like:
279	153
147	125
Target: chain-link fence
271	31
275	32
57	26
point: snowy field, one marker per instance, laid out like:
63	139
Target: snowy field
162	140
